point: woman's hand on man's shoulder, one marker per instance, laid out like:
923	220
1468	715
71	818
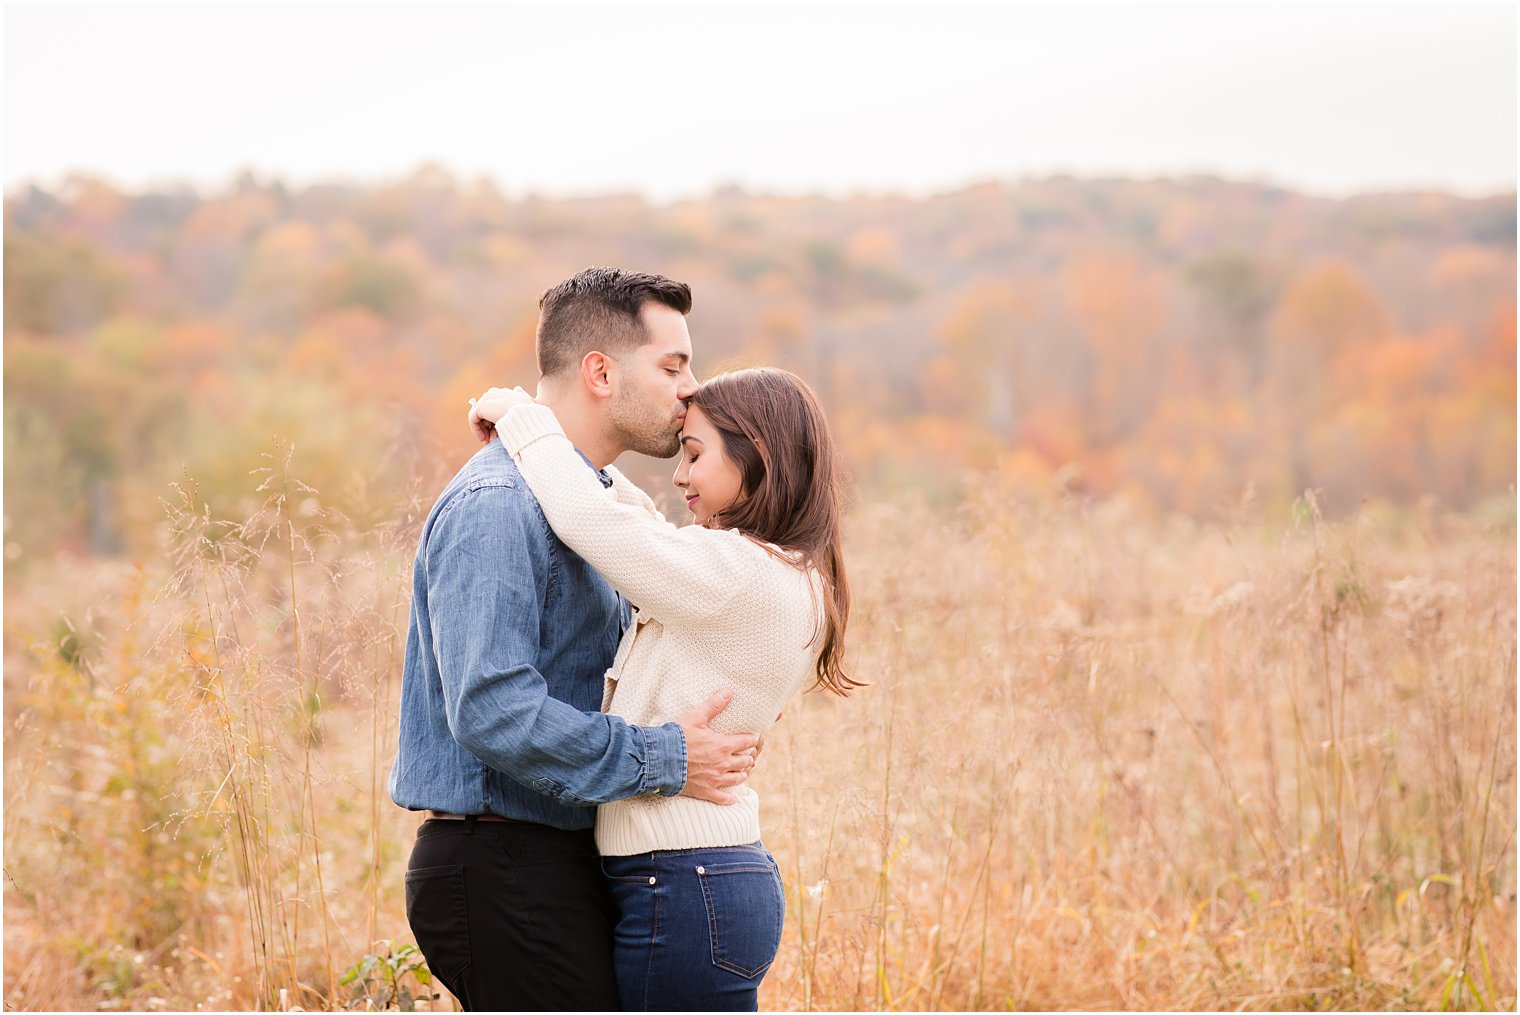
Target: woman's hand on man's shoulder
492	406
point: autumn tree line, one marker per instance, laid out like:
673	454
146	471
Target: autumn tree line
1192	344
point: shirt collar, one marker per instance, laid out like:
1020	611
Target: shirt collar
601	474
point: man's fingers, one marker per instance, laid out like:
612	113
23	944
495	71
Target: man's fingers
737	763
703	713
717	703
715	762
742	744
712	794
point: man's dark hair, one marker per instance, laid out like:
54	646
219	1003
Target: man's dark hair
598	310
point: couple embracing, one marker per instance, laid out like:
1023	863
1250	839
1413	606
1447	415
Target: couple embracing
586	683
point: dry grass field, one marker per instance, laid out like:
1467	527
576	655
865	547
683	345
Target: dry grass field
1107	760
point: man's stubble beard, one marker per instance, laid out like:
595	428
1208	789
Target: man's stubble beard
644	428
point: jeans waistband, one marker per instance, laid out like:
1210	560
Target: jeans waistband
754	847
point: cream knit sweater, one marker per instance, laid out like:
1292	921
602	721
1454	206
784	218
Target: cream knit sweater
713	610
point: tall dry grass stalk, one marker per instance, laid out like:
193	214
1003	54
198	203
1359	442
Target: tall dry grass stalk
1111	761
245	862
1107	760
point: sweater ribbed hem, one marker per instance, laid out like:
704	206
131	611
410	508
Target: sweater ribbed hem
645	824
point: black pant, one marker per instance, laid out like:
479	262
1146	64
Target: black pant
512	917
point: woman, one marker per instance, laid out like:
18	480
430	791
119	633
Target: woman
753	598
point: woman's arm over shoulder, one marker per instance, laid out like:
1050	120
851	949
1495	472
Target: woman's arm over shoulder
680	575
628	492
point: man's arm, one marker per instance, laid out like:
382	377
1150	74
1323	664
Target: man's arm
487	570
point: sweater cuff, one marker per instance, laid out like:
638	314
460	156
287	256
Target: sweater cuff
524	424
664	759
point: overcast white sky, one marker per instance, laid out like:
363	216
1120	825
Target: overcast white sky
671	100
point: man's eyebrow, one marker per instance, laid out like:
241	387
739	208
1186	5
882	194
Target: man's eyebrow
680	356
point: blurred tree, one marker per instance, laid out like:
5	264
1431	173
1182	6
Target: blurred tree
275	287
1237	293
97	211
982	374
57	286
372	282
1143	334
207	252
1468	282
1121	309
106	409
1325	309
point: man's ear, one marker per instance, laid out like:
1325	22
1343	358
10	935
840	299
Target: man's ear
597	373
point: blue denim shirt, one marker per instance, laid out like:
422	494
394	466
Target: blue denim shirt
510	635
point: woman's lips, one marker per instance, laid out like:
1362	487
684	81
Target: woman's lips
692	499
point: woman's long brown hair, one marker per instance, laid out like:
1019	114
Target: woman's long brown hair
774	430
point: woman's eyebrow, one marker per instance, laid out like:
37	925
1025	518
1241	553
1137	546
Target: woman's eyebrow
697	440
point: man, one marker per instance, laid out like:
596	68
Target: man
510	634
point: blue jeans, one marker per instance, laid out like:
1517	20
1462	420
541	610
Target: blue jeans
696	928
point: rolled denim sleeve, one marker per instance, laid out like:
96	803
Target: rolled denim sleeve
664	768
487	575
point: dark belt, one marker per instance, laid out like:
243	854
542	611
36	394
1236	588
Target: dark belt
445	816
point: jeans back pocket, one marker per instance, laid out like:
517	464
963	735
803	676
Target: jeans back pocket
438	912
745	909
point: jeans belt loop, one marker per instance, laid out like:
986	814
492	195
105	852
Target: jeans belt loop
469	823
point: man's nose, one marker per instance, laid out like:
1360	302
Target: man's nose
688	387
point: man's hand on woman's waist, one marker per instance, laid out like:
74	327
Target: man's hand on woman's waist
715	762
